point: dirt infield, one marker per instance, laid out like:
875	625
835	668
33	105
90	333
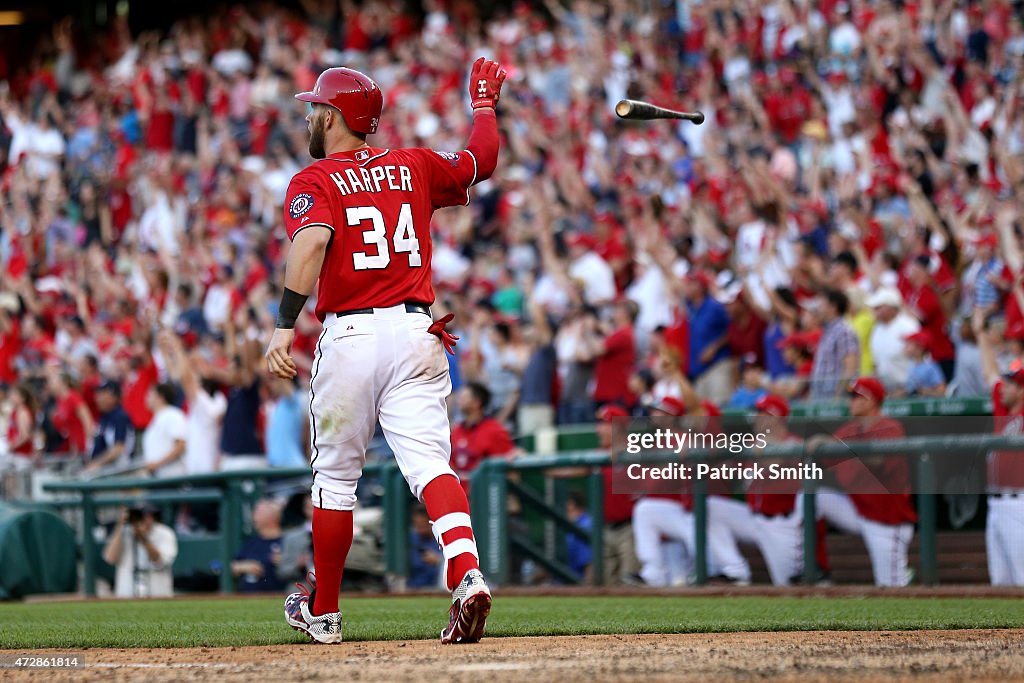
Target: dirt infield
816	655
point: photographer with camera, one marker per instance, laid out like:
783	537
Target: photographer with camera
142	551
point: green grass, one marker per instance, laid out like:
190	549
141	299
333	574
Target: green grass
259	621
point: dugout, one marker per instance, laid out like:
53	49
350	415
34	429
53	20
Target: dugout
37	552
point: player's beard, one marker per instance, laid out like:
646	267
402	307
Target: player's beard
316	139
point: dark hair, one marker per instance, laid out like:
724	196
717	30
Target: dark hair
838	300
504	331
29	397
632	309
185	289
646	376
847	259
166	392
805	352
481	393
210	386
787	296
576	498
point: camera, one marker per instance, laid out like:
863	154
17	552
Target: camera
136	514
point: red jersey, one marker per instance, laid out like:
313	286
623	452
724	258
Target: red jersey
10	346
15	436
618	507
773	497
1005	469
69	424
134	390
614	366
377	203
880	491
926	306
473	444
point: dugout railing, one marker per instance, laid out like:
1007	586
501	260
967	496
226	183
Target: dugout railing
526	478
233	492
492	485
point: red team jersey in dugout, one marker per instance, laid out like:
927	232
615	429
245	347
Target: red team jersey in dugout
880	486
378	205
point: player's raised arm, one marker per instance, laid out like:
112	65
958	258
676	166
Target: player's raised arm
453	173
485	79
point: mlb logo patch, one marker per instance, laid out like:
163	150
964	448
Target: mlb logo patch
362	155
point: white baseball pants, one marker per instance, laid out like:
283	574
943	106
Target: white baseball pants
653	520
366	367
1004	540
887	544
781	542
730	522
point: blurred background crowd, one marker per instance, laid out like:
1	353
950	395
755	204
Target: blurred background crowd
850	207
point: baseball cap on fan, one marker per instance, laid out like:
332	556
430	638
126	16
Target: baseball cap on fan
351	92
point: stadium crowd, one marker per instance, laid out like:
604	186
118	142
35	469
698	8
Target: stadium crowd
850	208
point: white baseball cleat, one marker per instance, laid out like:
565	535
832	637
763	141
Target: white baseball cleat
471	603
325	628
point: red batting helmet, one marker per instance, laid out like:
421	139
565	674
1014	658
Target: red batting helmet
351	92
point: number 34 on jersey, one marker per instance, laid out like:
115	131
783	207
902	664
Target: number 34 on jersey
403	238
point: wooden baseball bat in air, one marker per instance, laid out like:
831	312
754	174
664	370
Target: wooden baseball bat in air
638	110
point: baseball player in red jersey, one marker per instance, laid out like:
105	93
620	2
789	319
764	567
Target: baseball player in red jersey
775	503
1004	528
359	219
879	505
664	515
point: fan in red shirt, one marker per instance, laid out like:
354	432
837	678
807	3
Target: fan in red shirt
788	106
616	357
140	376
21	424
10	346
746	330
877	504
925	305
71	416
477	437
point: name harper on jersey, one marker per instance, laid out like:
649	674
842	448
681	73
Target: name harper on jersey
375	179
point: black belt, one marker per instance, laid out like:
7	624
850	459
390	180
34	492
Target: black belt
1006	495
409	308
775	514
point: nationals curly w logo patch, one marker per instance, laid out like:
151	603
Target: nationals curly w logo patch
300	205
